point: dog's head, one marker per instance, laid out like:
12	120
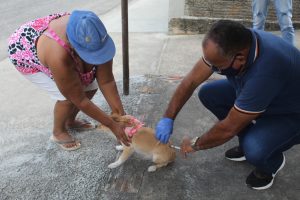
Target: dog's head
131	124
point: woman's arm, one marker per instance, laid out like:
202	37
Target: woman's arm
108	87
69	84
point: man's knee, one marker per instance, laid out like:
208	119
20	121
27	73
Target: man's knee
255	152
259	21
285	21
204	94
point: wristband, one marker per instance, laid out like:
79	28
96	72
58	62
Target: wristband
194	145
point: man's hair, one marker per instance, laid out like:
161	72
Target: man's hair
230	37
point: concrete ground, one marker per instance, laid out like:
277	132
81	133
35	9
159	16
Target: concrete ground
32	167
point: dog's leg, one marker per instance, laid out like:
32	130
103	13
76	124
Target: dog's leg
153	168
159	162
127	152
119	147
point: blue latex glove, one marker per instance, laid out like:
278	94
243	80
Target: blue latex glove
164	129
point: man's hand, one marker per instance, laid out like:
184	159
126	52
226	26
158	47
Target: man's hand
120	134
164	129
186	146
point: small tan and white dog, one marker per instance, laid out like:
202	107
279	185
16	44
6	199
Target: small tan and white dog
143	142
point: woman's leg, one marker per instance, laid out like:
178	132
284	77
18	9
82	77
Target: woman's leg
71	121
64	114
62	111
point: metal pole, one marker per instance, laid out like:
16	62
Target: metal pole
125	46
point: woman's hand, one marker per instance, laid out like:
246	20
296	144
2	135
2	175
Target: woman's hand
118	131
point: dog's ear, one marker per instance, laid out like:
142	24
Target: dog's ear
125	119
121	119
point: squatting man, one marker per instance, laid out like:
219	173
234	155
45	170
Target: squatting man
258	101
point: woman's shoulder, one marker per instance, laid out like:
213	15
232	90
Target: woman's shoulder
49	50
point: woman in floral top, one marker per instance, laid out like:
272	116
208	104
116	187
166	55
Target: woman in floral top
69	56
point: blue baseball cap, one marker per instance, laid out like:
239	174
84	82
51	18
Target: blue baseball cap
88	36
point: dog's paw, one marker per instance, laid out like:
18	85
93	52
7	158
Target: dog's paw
152	168
113	165
119	147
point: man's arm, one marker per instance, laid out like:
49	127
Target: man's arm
225	129
221	132
191	81
184	91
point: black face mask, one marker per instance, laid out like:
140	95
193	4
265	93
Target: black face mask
228	71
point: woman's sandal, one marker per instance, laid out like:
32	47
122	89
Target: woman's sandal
62	143
85	125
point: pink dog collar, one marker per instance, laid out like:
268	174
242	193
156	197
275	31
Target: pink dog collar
135	125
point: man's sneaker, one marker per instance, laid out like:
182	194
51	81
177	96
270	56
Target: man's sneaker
235	154
259	180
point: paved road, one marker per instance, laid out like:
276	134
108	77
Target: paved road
16	12
32	167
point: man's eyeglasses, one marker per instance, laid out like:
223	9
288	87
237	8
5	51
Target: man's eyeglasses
218	69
